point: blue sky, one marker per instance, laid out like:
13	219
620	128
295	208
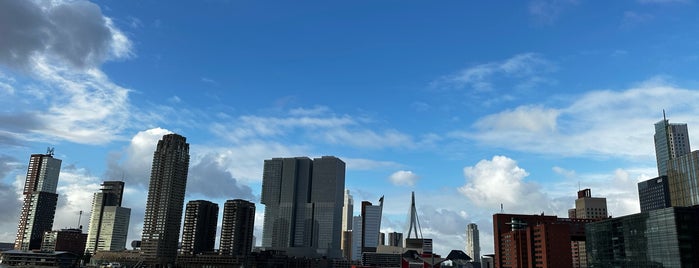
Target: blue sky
469	104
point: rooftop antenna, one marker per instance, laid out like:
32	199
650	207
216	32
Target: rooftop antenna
664	119
502	208
80	219
578	185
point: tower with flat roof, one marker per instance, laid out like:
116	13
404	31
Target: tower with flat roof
40	199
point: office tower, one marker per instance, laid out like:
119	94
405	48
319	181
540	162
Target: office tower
347	245
371	225
347	212
109	221
586	207
237	227
199	230
70	240
671	141
40	199
665	237
356	238
535	240
395	239
473	246
303	205
162	221
683	180
382	239
654	193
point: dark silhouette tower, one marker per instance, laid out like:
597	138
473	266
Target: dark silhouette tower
237	227
199	231
168	180
414	221
40	199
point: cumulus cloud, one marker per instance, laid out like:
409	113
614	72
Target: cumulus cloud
501	181
134	163
210	171
525	69
404	177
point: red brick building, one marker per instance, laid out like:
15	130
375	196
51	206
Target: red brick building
535	241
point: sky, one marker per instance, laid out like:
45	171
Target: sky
472	105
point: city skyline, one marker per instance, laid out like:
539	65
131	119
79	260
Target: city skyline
470	105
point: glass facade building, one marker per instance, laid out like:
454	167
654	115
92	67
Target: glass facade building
666	237
654	193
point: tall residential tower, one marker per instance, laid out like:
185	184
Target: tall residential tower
473	246
40	199
199	231
237	227
168	180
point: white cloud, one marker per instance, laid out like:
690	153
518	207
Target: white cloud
524	119
526	69
597	123
60	46
367	164
404	177
491	183
548	11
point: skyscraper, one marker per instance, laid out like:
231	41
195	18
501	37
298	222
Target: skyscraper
371	225
683	180
473	246
303	205
199	231
168	180
109	221
40	199
237	227
671	141
347	212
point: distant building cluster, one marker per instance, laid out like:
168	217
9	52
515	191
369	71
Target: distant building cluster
664	234
309	221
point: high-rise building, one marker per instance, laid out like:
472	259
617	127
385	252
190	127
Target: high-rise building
70	240
40	199
395	239
347	212
473	246
356	251
654	193
303	205
109	221
535	240
586	207
199	230
382	239
163	217
371	225
683	180
665	237
671	141
237	227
